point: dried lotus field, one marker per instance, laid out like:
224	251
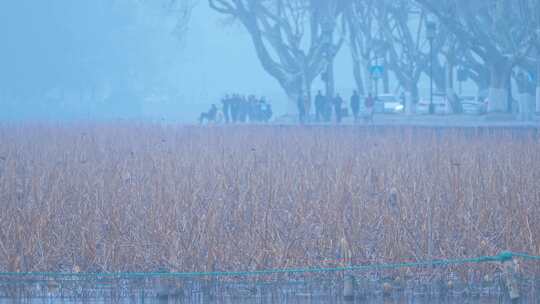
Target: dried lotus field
127	197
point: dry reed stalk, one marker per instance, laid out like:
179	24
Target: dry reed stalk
142	197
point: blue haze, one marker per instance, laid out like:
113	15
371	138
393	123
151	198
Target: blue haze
104	59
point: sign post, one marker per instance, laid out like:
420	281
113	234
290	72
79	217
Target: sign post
376	73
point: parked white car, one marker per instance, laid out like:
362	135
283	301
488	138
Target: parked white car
389	104
441	106
471	105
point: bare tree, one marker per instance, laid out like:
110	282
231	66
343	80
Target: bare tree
366	41
403	24
537	31
294	39
182	9
497	31
180	12
472	66
395	32
538	68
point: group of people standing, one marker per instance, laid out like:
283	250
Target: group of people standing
239	108
326	107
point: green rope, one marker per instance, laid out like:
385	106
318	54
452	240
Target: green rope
502	257
526	256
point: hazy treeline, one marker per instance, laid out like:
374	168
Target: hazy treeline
126	51
78	58
491	42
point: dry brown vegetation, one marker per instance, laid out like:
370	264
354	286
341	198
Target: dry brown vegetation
129	197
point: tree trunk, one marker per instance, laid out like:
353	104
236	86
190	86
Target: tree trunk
453	105
307	90
449	77
538	83
357	66
525	100
386	80
357	59
411	96
440	80
498	88
524	96
293	101
497	100
368	80
509	94
293	92
357	72
409	104
330	87
538	99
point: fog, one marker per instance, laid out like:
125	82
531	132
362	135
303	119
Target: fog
97	59
127	59
106	59
157	150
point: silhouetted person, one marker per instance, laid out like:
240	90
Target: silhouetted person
235	104
355	105
338	102
319	106
301	104
209	116
243	109
268	112
327	108
249	108
256	109
369	104
226	101
403	100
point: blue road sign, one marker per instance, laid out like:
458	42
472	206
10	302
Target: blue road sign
377	71
532	77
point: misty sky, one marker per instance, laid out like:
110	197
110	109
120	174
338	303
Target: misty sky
64	59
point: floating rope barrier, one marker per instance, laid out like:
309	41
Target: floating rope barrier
502	257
